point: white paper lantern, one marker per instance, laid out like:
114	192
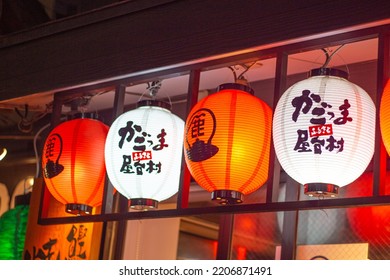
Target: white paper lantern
143	154
323	131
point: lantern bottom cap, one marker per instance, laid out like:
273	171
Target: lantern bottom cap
227	197
143	203
78	209
321	190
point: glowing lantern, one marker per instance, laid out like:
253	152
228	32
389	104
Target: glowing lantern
323	131
73	164
143	153
227	143
315	226
384	117
371	224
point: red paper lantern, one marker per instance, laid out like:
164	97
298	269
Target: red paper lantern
73	164
227	143
371	224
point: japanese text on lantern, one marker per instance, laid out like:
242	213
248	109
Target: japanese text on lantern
138	146
318	135
201	128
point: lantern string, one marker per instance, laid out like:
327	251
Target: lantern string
36	150
241	75
153	88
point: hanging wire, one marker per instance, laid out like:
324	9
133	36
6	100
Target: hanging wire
83	104
241	77
36	152
234	72
138	241
24	124
153	88
345	63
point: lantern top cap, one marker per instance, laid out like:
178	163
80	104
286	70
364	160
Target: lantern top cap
236	86
328	72
154	103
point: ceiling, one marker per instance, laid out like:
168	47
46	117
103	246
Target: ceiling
261	70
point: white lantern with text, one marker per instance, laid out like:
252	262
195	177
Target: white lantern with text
323	131
143	153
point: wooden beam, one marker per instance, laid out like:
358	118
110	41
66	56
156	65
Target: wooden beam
333	203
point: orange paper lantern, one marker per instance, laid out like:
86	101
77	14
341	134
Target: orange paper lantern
73	164
227	143
384	116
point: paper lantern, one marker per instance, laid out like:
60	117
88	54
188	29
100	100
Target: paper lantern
323	131
4	199
143	154
370	223
384	117
227	143
73	164
13	225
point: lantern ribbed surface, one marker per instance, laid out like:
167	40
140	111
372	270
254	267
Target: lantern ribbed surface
73	162
13	225
227	141
324	130
143	153
384	116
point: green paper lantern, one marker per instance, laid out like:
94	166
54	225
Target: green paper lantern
13	225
